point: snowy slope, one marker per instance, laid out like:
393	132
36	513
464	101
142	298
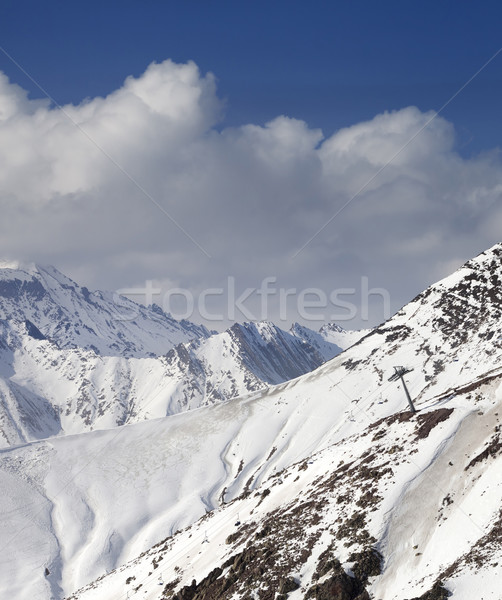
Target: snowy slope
165	473
410	504
344	338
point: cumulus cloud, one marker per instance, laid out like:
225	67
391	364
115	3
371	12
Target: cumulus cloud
116	190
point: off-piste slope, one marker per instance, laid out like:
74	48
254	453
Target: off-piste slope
410	508
72	360
102	498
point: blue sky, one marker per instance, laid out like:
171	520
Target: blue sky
185	179
329	63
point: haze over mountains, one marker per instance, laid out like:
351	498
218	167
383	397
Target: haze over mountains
322	486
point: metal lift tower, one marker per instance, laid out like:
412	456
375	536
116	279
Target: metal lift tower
400	372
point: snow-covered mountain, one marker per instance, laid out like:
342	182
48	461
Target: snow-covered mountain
245	358
52	306
73	360
330	340
320	487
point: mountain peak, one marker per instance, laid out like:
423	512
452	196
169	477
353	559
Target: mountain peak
17	269
330	327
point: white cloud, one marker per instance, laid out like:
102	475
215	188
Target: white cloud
250	196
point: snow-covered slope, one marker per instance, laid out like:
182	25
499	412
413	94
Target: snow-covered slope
63	494
407	508
46	391
72	361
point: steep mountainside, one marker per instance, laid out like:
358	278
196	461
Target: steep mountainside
320	473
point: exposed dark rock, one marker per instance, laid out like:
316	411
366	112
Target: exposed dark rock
427	421
368	563
33	331
327	563
363	596
288	585
337	587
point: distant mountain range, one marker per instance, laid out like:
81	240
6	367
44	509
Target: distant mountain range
72	360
